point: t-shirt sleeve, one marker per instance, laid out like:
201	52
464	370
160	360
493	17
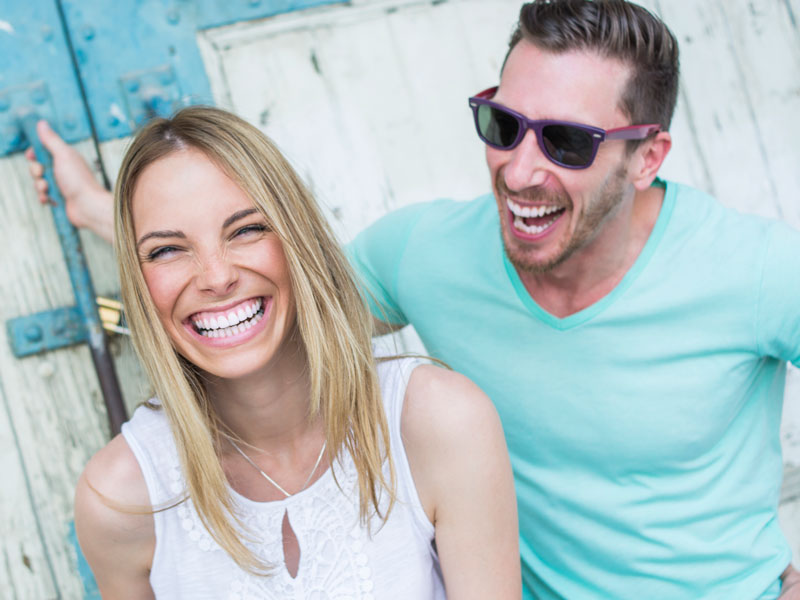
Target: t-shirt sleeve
376	254
779	296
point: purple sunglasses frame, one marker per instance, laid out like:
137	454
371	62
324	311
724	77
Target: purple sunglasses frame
630	132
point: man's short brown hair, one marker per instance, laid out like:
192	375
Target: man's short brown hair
615	29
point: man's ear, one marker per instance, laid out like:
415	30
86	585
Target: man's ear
647	160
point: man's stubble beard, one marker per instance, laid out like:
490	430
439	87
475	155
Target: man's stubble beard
589	222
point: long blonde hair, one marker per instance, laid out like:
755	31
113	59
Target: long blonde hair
332	318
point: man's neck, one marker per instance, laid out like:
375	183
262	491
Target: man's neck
593	271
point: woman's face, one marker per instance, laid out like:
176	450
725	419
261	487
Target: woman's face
217	275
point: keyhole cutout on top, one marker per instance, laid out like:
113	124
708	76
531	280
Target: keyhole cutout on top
291	547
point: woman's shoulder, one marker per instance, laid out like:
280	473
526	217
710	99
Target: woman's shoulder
113	518
446	421
112	485
442	403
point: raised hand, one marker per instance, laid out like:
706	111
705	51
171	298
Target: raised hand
88	204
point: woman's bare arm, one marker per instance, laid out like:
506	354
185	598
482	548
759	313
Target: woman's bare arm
115	531
459	461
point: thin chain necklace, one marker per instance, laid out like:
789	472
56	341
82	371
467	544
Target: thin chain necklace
270	479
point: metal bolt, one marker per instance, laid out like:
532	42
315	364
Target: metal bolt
39	95
34	333
12	137
88	32
132	86
173	16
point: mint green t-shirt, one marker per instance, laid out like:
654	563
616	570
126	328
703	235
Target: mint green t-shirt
643	430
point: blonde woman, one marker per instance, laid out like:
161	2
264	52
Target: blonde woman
279	458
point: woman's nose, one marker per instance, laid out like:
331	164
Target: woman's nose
217	274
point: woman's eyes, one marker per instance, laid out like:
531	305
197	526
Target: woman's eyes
250	229
161	252
165	252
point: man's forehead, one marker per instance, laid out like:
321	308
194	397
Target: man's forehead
582	80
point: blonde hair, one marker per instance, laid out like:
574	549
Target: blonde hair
332	319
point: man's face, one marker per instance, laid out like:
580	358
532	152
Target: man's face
575	205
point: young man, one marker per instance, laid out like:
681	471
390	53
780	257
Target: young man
632	332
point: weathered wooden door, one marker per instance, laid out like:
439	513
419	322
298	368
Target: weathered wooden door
368	99
95	70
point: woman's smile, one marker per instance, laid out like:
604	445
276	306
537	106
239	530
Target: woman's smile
232	325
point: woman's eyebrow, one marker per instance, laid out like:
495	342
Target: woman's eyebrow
160	234
239	214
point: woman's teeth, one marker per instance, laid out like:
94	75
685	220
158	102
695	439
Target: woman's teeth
235	321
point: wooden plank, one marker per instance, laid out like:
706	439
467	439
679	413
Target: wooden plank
25	567
760	31
53	401
717	97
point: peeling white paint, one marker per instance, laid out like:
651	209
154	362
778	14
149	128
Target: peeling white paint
115	111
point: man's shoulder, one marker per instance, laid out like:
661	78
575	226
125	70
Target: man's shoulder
697	209
440	212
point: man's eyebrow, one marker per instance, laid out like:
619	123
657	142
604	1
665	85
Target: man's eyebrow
160	234
239	214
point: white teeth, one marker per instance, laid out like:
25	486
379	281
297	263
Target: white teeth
530	211
234	322
520	224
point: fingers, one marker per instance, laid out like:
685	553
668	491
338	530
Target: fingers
51	140
36	169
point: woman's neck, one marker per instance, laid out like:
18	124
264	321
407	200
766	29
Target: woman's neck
269	409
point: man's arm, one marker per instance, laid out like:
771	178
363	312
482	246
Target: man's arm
88	204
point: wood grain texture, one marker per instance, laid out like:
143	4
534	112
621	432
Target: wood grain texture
52	418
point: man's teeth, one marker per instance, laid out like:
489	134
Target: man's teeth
520	224
530	211
522	212
236	321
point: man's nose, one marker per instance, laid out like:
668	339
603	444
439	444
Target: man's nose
217	274
527	166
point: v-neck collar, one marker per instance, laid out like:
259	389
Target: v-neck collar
592	310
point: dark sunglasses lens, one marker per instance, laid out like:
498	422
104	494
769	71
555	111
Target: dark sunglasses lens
497	127
568	145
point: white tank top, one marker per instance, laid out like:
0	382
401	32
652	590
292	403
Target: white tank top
339	560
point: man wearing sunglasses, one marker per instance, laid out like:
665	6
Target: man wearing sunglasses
632	332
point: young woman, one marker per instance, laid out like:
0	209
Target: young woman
279	458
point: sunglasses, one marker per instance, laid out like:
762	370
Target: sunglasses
567	144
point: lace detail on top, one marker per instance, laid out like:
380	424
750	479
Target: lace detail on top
339	558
